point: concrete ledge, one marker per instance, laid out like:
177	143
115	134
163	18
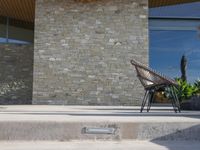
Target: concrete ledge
97	145
62	123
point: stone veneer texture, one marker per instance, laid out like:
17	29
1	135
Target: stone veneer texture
16	74
83	50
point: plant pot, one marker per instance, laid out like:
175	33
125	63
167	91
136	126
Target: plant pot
191	104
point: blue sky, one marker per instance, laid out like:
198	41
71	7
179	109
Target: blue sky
169	43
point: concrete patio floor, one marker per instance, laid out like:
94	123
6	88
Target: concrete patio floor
93	113
42	127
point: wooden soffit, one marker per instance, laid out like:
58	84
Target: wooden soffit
25	9
18	9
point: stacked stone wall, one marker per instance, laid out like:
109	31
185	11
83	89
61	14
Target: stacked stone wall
83	50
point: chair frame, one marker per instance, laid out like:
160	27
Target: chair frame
161	82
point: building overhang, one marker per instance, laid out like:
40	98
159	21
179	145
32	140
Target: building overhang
24	10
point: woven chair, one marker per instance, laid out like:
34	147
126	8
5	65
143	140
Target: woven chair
153	81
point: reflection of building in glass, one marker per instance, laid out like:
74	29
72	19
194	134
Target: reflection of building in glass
16	31
174	32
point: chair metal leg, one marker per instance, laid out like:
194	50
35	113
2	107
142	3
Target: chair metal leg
173	99
151	97
142	106
144	100
176	99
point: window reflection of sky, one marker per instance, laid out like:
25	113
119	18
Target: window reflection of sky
170	39
3	40
167	47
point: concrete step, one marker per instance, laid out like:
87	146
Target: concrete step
65	123
101	145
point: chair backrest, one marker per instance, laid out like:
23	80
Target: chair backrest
148	77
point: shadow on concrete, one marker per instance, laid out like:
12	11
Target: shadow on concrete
158	111
113	109
108	114
130	109
179	145
181	137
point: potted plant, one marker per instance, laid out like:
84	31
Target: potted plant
188	94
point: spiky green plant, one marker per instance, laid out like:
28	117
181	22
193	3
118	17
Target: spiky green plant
185	90
197	85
